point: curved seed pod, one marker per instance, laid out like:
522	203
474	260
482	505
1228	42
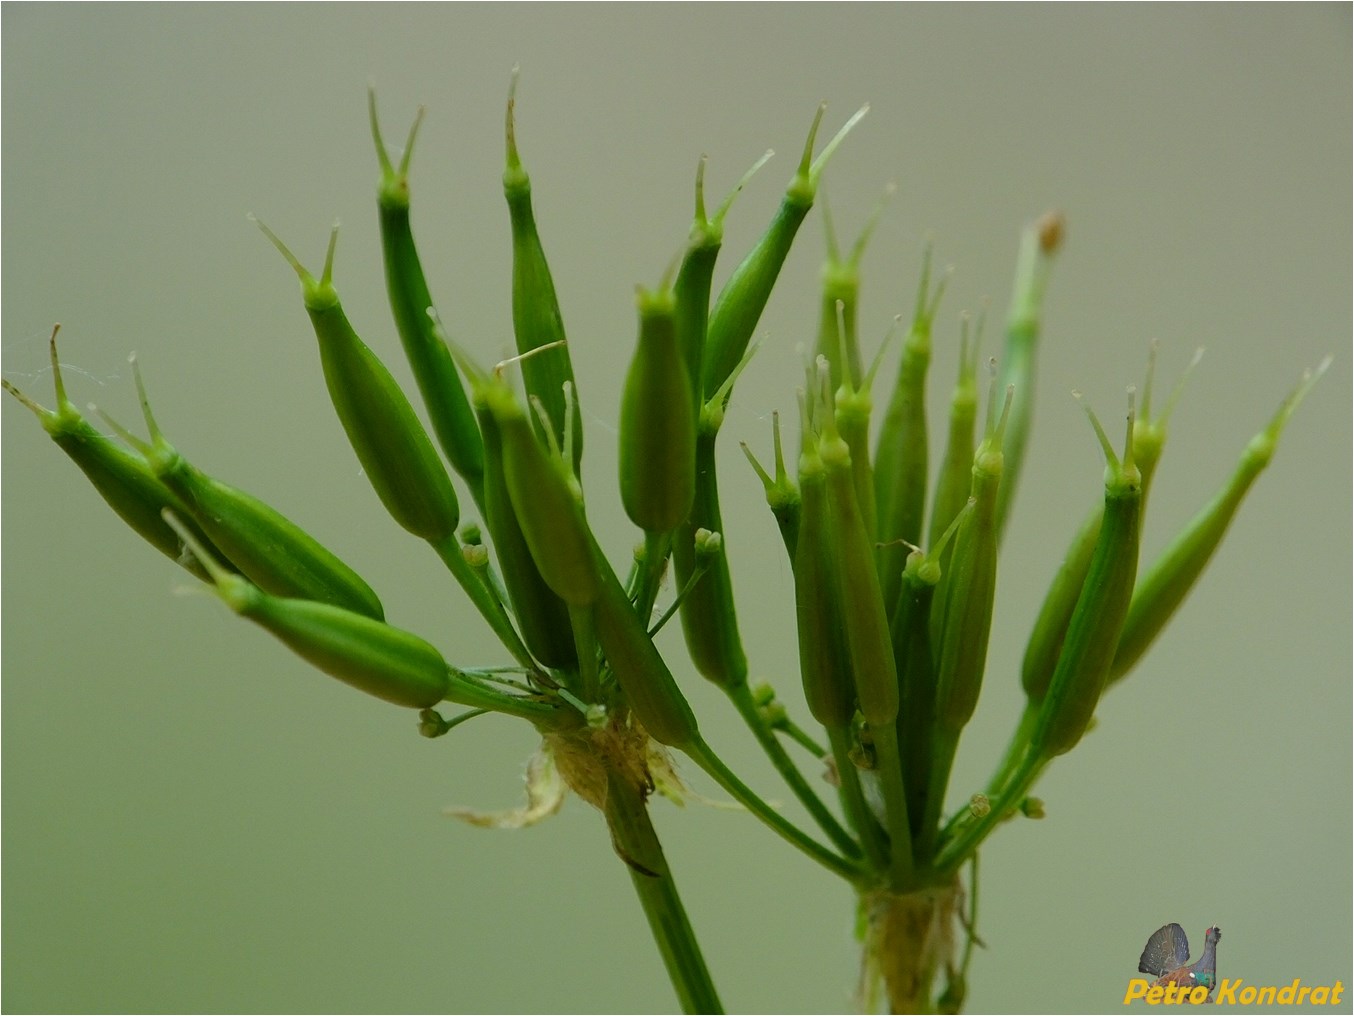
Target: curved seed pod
692	288
955	475
854	404
546	502
782	496
837	337
740	303
1093	633
1050	627
269	549
910	630
709	618
536	319
391	444
1173	574
657	423
824	666
1040	242
960	629
901	455
851	561
370	655
440	385
643	676
542	616
122	479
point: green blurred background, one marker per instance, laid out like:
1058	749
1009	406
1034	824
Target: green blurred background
196	821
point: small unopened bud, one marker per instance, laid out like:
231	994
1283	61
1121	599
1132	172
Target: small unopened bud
708	545
979	805
431	724
1051	227
1032	807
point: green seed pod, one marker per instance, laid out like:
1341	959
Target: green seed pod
961	626
837	337
824	664
1165	585
782	496
743	298
854	404
122	479
955	476
370	655
1050	627
269	549
440	385
709	620
910	630
657	424
542	616
391	444
901	456
643	676
851	561
536	319
1093	632
1037	247
546	501
692	287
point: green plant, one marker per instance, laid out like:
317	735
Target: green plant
892	642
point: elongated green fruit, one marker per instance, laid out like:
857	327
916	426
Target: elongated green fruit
1173	574
960	630
837	336
851	561
743	298
440	385
269	549
122	479
536	318
854	405
1093	632
657	423
824	663
911	635
370	655
399	460
542	616
1050	627
901	454
692	287
955	476
547	503
639	668
1037	247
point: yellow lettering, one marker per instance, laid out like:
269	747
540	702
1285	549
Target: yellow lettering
1335	993
1320	994
1198	994
1154	994
1266	995
1287	992
1227	990
1137	988
1303	992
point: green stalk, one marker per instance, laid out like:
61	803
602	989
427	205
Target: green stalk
746	705
634	839
703	755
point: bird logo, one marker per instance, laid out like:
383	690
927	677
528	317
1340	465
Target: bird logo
1166	958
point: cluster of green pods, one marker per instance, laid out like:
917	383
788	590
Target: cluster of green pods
895	572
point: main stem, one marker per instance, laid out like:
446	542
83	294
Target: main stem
633	836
